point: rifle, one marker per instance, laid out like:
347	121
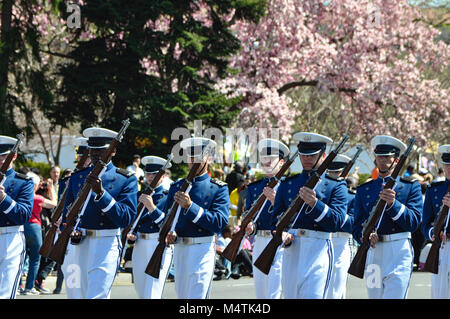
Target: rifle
432	263
371	225
350	164
155	263
9	158
58	251
49	239
140	209
230	252
265	260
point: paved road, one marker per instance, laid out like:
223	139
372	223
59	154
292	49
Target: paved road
242	288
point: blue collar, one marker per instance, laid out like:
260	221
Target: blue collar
159	189
200	178
9	172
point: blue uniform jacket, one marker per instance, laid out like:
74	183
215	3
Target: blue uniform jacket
209	211
432	206
149	223
403	216
265	219
16	207
347	227
116	208
329	212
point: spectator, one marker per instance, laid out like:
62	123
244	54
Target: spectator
235	176
33	232
55	173
134	167
223	265
440	177
409	171
242	265
242	198
234	200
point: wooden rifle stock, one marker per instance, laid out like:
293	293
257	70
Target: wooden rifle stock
359	261
9	158
154	265
230	252
350	164
49	239
432	262
265	260
58	251
140	209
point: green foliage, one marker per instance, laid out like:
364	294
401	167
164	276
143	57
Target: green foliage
105	83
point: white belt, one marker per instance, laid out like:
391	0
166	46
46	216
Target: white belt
148	236
195	240
341	235
11	229
264	233
94	233
311	233
392	237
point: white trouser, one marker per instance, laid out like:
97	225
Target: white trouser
146	286
95	261
388	269
71	272
342	260
194	269
12	256
307	267
440	283
267	286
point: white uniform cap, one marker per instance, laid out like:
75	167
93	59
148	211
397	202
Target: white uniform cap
339	162
153	163
82	144
311	143
195	145
444	153
270	147
6	144
99	137
384	145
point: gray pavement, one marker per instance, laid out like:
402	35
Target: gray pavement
242	288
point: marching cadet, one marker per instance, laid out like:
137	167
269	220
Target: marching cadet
16	204
73	290
205	211
435	197
271	155
389	261
147	233
308	256
111	206
340	239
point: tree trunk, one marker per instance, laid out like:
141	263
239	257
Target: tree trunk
5	54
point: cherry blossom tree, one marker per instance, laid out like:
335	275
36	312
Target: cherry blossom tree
379	57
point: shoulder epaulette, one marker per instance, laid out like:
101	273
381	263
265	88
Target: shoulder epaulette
436	184
218	182
337	179
365	183
254	183
124	172
22	176
79	171
406	180
291	177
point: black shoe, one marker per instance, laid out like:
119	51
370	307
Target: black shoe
235	275
218	277
56	291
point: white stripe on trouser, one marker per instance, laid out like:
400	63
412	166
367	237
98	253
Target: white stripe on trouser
306	268
388	269
146	286
267	286
342	257
440	283
94	266
12	255
194	269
